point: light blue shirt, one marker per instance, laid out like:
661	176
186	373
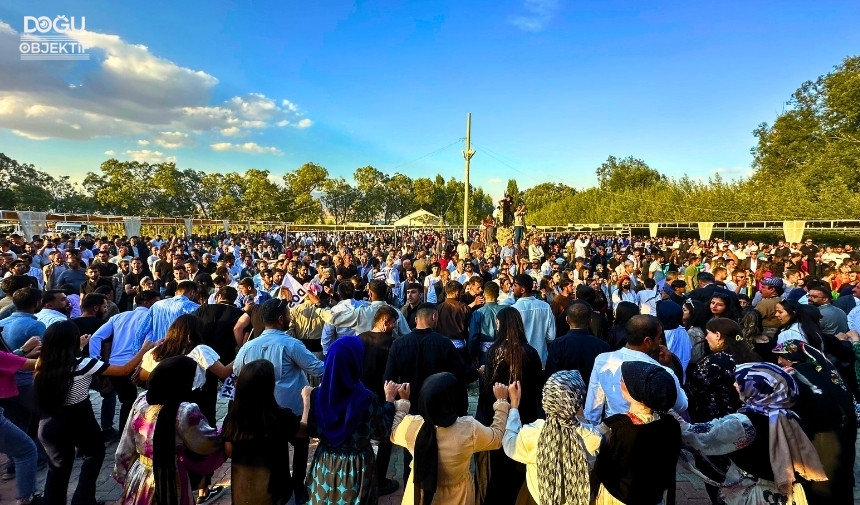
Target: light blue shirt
330	332
159	318
538	322
291	360
604	397
17	330
50	316
123	327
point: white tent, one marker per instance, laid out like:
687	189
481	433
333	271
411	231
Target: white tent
418	218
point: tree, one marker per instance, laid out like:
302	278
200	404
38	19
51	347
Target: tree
339	199
301	184
372	185
513	190
627	174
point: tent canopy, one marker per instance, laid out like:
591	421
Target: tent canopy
418	218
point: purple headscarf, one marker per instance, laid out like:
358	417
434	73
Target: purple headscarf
342	400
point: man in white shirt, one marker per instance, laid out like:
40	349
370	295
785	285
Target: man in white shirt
644	338
538	320
647	298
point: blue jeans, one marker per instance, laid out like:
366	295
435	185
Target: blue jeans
18	446
519	231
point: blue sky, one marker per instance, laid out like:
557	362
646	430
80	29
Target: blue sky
554	87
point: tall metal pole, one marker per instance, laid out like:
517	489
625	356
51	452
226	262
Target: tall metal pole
468	153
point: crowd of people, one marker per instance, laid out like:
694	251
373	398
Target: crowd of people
600	363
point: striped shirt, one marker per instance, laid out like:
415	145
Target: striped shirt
82	378
160	316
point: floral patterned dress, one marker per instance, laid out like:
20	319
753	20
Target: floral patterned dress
133	466
346	474
711	388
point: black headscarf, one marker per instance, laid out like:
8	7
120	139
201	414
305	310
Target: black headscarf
440	404
169	385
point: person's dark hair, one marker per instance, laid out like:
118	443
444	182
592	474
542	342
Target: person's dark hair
678	283
731	311
219	280
227	294
736	344
579	314
425	310
640	327
50	295
345	290
93	300
145	296
700	314
255	414
384	312
379	289
453	289
60	348
184	334
649	283
826	293
186	288
104	291
507	350
247	282
526	282
624	311
26	298
413	285
587	294
705	277
15	282
491	290
807	316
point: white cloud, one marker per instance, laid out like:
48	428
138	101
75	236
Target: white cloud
494	180
247	147
110	152
283	123
539	14
143	142
173	140
125	90
304	123
145	155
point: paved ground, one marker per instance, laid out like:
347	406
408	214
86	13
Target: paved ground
690	489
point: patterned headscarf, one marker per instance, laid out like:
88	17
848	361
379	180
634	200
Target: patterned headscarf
769	390
562	467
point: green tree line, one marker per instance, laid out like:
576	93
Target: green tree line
805	165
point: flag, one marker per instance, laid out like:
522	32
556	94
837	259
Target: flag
296	289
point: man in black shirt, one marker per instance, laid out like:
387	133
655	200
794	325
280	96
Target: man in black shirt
422	353
94	280
578	348
219	319
377	345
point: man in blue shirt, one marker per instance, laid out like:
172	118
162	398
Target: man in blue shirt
123	328
538	320
162	314
291	360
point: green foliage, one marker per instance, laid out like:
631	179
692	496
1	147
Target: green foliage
513	190
627	173
23	187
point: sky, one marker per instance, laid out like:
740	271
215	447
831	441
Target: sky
554	87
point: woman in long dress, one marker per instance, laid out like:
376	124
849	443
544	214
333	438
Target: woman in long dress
152	460
442	442
345	416
764	441
509	359
826	410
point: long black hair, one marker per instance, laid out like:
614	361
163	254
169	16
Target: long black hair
507	350
60	349
255	413
808	317
736	344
